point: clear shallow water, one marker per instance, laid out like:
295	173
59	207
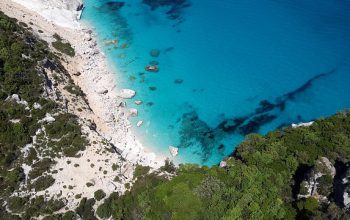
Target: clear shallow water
230	56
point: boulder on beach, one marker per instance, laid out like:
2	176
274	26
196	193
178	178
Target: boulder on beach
87	37
126	93
102	91
154	53
174	151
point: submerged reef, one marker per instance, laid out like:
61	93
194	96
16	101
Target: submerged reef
195	131
114	5
176	7
120	22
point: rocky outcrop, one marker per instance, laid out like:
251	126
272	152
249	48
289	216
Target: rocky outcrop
72	5
174	151
133	112
64	13
318	182
303	124
126	93
346	194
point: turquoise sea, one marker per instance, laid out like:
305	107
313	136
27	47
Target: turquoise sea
226	68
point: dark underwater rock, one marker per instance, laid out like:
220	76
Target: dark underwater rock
154	53
264	106
221	147
154	4
178	81
153	63
114	5
120	23
169	49
175	10
195	131
255	123
230	125
152	88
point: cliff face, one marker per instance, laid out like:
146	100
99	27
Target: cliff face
72	5
65	13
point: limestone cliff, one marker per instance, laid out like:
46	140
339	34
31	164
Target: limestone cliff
64	13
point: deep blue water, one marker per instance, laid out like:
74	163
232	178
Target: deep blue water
226	68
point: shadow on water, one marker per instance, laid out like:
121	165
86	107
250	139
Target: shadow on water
194	130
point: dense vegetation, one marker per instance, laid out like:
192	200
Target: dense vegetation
259	181
24	104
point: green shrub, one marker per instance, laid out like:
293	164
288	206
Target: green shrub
74	89
65	48
85	209
43	182
140	170
99	194
40	167
17	204
168	166
105	210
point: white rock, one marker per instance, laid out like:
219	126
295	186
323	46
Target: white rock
121	104
69	194
48	118
328	164
174	151
306	124
346	197
15	121
15	97
102	91
223	164
139	123
39	131
64	13
36	105
127	93
138	102
133	112
87	37
111	187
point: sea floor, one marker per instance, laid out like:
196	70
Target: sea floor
226	68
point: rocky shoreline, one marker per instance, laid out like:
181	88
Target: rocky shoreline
89	70
103	113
